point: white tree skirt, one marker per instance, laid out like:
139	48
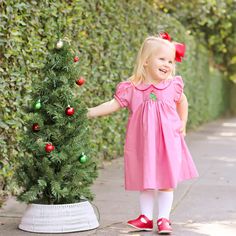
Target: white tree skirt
59	218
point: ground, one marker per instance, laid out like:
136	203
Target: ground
204	206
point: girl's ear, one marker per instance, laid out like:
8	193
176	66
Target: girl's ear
174	69
145	63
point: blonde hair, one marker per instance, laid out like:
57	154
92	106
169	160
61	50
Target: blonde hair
149	45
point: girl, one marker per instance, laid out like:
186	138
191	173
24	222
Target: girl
156	155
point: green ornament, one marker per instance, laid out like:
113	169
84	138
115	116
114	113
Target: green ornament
83	158
37	105
153	96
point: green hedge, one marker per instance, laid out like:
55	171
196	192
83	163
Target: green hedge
233	99
108	35
206	88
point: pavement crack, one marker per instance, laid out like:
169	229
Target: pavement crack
2	216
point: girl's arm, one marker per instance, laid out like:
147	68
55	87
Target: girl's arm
104	109
182	109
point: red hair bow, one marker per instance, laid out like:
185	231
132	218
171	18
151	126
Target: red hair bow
179	47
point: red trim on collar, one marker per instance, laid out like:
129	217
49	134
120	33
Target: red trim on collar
161	85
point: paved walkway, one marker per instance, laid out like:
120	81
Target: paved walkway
205	206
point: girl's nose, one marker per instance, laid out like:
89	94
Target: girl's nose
166	64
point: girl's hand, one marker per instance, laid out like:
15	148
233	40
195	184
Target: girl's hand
183	128
88	114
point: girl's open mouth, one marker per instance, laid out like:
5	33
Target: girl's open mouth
163	70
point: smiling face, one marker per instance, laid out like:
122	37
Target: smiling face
160	64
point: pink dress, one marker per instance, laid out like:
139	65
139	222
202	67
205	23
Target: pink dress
155	152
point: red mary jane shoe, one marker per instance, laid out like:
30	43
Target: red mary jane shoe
163	226
141	223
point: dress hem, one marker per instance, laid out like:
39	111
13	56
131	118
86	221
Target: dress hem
161	187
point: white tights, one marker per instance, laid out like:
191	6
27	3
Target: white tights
165	200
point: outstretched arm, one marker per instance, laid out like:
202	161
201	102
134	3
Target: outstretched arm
104	109
182	109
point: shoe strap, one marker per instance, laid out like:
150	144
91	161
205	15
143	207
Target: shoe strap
145	217
163	219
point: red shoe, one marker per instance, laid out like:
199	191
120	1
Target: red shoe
141	223
163	226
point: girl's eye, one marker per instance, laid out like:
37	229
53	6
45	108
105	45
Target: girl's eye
171	62
162	59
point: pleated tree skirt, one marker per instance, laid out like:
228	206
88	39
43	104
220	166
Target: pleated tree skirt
63	218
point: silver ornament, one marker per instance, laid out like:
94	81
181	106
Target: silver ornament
59	44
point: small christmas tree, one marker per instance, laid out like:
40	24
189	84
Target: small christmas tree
57	168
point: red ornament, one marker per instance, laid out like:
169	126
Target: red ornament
49	147
80	81
69	111
35	127
76	59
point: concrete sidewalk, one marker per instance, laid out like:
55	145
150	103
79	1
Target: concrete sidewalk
204	206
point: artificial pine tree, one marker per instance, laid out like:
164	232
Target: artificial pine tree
57	168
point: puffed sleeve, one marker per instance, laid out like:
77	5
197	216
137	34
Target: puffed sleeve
179	88
122	93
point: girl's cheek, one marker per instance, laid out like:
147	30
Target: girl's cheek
159	64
